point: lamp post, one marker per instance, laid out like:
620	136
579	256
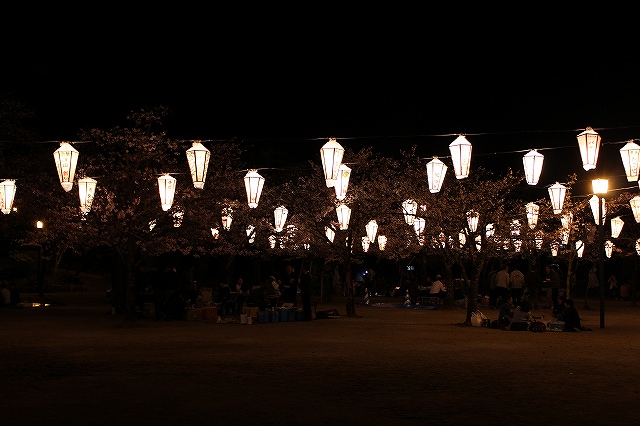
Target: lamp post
40	274
600	187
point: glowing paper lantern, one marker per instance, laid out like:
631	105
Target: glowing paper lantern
330	233
7	194
66	158
409	209
472	220
532	214
250	233
372	229
365	244
532	161
461	156
538	240
635	207
167	188
554	249
515	227
462	238
556	194
272	241
178	215
331	154
86	192
478	242
638	246
616	226
253	183
382	242
566	220
418	225
630	154
198	159
227	218
564	236
594	209
608	248
344	214
436	171
280	217
589	143
490	230
580	248
215	233
342	183
517	245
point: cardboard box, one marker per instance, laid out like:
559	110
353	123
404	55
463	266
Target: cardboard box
193	314
210	312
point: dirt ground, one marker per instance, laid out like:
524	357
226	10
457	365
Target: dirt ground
77	364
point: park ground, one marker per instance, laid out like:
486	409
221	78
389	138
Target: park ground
76	363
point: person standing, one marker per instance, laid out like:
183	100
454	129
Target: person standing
289	285
305	292
553	280
516	281
502	284
613	286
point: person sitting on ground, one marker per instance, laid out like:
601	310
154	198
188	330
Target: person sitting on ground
521	317
571	318
506	312
558	311
438	289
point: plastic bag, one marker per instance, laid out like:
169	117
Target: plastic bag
478	319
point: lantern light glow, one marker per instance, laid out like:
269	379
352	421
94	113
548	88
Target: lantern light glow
167	188
344	215
589	144
342	182
557	193
66	158
7	194
461	156
532	162
436	171
86	192
331	154
198	160
253	184
409	209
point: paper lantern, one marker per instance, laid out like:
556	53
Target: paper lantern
630	154
608	248
490	230
564	236
167	188
365	244
566	220
39	224
330	233
86	192
635	207
418	225
515	227
344	214
382	242
580	248
616	226
532	214
178	215
638	246
7	194
472	220
436	171
556	194
517	245
198	160
594	200
331	154
478	240
215	233
227	218
462	238
280	217
461	156
253	183
342	182
538	240
272	241
554	249
532	162
409	209
589	144
66	158
372	229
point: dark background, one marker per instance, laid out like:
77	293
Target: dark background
283	80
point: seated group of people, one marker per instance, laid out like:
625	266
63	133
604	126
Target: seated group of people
520	318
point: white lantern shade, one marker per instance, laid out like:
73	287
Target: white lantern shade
589	143
472	220
178	215
227	218
608	248
86	192
638	246
66	158
250	233
344	214
39	224
272	241
436	171
515	227
533	211
580	248
418	225
566	220
538	240
490	230
554	249
517	245
365	244
215	233
198	160
382	242
564	236
557	193
616	226
478	242
342	182
630	154
594	200
409	209
635	207
372	229
253	183
7	194
462	238
330	233
167	188
331	154
280	217
532	162
461	156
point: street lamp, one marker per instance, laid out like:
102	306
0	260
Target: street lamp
600	188
198	160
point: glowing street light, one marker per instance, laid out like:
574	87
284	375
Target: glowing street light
344	214
630	154
472	220
86	192
532	214
372	229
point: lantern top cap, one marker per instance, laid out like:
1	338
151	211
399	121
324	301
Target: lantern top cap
533	152
197	144
460	140
332	143
588	130
66	146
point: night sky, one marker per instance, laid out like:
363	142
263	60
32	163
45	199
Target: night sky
283	81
